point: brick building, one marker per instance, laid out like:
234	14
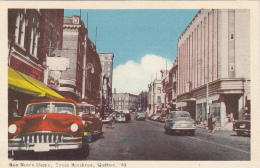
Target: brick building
29	41
81	81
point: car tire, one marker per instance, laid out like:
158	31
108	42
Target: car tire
167	131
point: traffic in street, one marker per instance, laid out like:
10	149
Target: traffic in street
147	140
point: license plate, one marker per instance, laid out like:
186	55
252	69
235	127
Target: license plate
243	126
41	147
184	125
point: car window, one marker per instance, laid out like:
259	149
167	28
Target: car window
179	114
92	110
83	110
50	107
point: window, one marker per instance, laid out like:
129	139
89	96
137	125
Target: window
20	29
51	37
34	39
158	99
232	36
58	40
159	90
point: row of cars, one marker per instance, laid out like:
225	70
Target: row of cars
54	124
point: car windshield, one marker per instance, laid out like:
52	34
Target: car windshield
50	107
92	110
141	114
120	115
179	114
83	110
247	117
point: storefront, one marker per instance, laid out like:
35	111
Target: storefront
22	89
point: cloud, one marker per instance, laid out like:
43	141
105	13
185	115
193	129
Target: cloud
133	77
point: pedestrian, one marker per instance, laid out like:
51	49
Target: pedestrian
111	123
210	124
213	123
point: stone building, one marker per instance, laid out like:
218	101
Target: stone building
214	66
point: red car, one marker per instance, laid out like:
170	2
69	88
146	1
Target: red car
89	115
48	124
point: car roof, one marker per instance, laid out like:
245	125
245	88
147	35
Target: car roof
84	105
52	100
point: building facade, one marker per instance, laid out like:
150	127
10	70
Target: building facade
81	81
213	65
125	101
32	35
106	60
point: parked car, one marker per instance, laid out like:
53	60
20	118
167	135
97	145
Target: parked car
48	124
180	121
155	117
120	117
88	114
139	116
243	126
162	118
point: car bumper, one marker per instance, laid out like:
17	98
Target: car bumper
241	129
43	147
181	129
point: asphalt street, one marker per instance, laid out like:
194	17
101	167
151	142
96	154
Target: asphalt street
146	140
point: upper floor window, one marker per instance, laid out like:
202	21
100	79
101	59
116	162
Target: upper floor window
159	90
34	39
232	36
20	29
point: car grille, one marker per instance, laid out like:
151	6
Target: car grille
44	138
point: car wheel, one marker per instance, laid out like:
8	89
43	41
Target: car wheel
239	133
166	131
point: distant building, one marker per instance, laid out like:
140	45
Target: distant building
214	66
125	101
106	60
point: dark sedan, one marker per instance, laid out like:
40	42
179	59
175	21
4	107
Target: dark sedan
242	126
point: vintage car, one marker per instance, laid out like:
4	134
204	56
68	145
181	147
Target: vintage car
120	117
48	124
180	121
243	126
89	114
155	117
139	116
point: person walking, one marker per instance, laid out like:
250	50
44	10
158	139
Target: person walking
111	123
210	124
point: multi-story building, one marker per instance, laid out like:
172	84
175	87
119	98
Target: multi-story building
156	97
106	60
125	101
214	65
171	86
32	35
81	81
143	101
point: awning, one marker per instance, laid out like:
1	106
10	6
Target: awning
23	83
188	100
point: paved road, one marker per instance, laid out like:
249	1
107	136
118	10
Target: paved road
146	140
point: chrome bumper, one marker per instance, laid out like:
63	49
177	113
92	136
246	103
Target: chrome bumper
43	147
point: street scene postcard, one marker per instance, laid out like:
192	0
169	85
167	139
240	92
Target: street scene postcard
123	84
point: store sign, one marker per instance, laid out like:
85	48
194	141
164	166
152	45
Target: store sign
58	63
26	69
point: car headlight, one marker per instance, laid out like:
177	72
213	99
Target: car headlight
12	129
74	127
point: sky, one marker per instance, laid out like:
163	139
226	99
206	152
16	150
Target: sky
143	41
